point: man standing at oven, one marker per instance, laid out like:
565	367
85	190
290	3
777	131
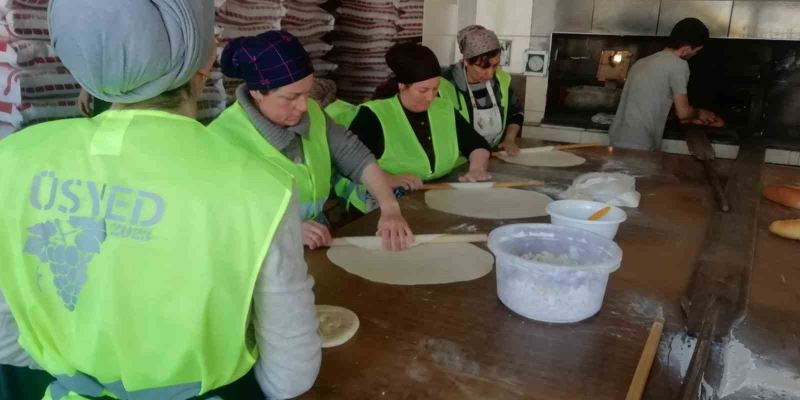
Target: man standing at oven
654	84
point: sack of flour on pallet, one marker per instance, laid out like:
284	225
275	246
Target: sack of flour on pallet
615	188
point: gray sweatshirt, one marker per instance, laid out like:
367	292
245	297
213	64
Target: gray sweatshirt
350	156
284	318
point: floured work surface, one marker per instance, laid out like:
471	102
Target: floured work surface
457	340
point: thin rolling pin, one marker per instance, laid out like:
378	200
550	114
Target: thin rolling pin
646	361
443	238
444	185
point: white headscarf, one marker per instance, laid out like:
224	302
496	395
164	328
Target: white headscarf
126	51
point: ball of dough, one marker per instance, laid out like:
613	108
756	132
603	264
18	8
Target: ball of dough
336	325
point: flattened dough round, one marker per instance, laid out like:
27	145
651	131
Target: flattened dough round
495	203
425	264
336	325
553	158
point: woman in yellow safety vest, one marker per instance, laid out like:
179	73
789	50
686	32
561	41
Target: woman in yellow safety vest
143	256
416	135
481	91
275	117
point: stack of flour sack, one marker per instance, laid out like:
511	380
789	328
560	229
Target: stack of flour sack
34	84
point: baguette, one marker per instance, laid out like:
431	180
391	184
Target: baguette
788	228
789	196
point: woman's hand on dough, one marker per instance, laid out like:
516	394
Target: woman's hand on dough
315	235
394	231
510	147
475	176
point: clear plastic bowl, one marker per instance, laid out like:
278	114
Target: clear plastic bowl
551	292
576	213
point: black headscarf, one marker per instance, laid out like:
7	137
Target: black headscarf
410	63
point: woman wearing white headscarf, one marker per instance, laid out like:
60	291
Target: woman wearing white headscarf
481	91
143	257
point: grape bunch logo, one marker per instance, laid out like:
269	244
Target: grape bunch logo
68	250
91	212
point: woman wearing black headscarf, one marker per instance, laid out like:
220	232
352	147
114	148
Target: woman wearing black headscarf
413	132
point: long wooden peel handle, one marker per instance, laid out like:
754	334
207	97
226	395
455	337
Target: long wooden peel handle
716	185
577	146
443	238
639	381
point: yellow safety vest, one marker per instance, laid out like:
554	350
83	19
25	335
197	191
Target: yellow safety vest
132	243
312	177
449	92
403	154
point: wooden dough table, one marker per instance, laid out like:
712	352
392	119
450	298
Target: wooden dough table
770	328
458	341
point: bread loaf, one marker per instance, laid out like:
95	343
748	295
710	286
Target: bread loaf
788	228
786	195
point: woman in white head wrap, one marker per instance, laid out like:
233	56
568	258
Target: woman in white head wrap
143	256
481	91
153	48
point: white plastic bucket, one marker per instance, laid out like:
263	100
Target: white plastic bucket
550	292
576	213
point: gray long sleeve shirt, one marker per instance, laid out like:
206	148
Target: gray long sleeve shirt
646	100
350	157
284	318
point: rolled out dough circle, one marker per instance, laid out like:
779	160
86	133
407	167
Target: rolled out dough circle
425	264
552	158
495	203
336	325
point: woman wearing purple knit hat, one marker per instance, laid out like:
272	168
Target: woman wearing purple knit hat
481	91
275	117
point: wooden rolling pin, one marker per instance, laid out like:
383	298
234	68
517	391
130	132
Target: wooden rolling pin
420	239
551	148
639	381
445	185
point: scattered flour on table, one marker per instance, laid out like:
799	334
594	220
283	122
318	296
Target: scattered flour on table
638	170
676	351
643	306
465	227
743	369
552	191
706	391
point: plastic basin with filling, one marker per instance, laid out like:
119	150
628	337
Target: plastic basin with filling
552	292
